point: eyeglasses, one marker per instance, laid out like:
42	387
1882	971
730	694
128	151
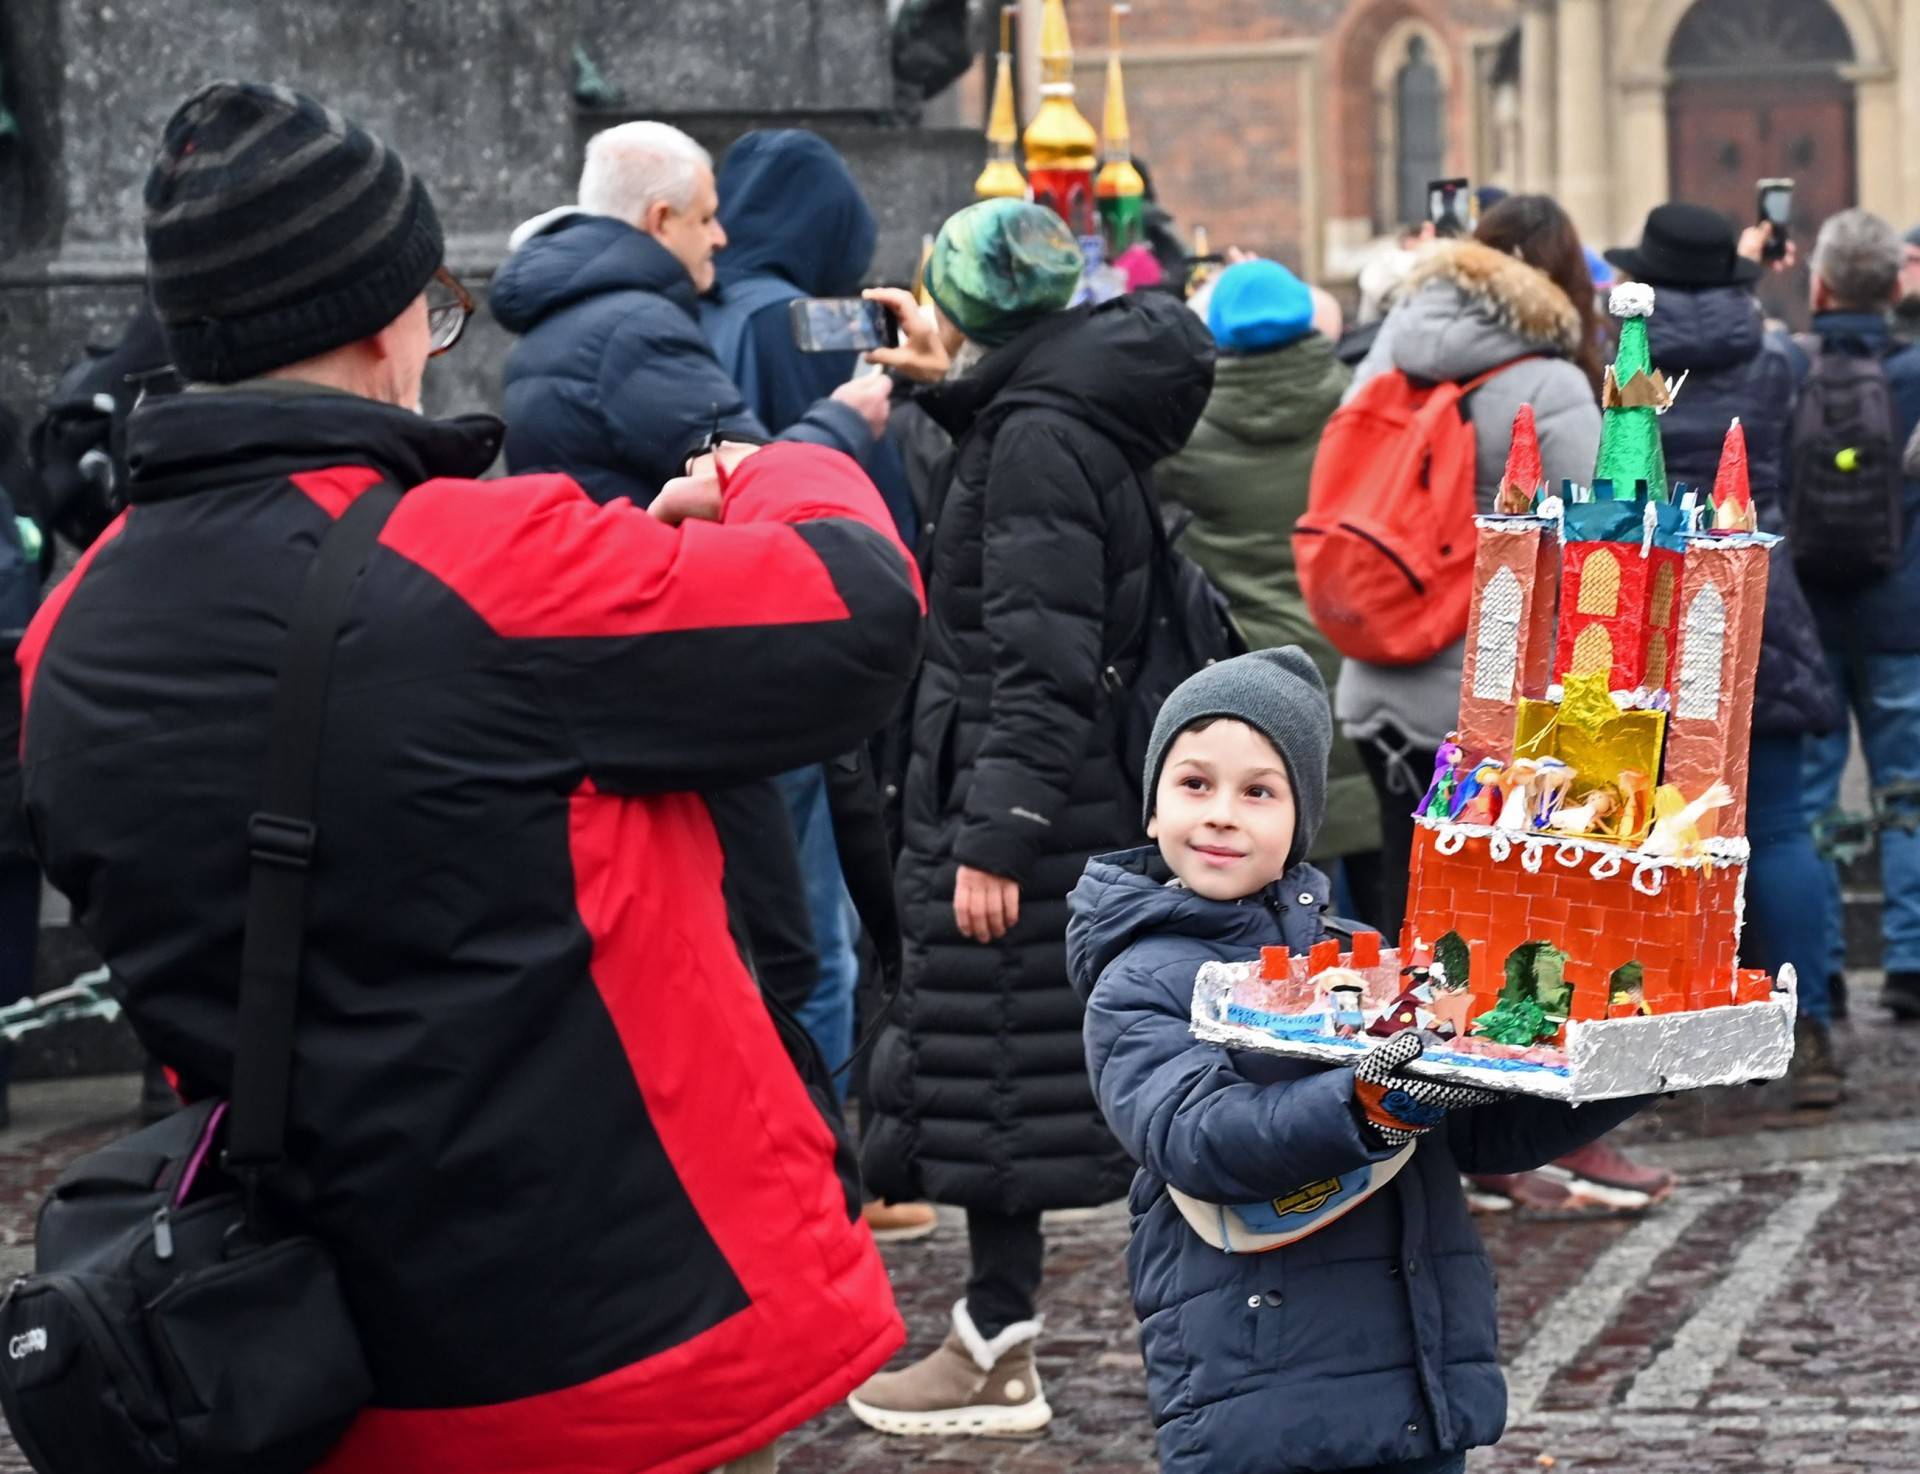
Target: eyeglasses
449	305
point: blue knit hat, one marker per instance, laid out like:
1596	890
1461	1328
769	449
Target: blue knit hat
1258	306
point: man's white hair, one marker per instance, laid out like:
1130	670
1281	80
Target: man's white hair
630	167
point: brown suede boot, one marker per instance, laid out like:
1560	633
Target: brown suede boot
970	1385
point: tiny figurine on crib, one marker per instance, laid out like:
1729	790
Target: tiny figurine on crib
1447	764
1516	795
1585	815
1478	801
1550	787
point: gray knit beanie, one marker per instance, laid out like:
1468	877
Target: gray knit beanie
1279	694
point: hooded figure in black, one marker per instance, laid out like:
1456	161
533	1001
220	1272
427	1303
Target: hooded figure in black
1037	573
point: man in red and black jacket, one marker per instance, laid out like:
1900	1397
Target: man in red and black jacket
587	1216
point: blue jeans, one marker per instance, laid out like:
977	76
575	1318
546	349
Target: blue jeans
828	1012
1883	692
1784	872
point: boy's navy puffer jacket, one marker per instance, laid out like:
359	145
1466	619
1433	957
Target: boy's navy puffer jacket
1371	1342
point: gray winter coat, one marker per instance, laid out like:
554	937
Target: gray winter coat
1469	308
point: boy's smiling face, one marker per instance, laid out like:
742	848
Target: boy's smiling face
1223	810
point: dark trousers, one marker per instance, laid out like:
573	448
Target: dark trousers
1399	773
1006	1250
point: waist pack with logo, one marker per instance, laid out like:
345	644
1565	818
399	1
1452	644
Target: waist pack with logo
174	1323
1385	550
1189	626
1844	518
1260	1228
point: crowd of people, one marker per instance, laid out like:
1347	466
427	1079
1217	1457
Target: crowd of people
614	1058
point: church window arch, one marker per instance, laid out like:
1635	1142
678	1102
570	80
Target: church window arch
1592	651
1496	645
1702	654
1600	584
1412	87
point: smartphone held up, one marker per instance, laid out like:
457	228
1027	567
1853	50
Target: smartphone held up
1450	207
842	325
1776	210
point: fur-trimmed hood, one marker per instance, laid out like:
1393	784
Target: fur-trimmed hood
1468	307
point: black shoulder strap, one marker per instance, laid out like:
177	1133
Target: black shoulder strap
866	858
281	837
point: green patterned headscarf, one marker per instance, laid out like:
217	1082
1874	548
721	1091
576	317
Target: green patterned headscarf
1000	266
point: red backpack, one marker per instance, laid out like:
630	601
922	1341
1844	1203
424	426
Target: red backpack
1385	550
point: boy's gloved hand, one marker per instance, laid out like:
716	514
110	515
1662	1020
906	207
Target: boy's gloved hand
1400	1107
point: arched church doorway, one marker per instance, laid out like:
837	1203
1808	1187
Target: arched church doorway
1757	92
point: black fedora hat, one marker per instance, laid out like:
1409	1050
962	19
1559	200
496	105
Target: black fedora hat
1685	246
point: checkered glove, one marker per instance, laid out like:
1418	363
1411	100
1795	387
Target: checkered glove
1398	1107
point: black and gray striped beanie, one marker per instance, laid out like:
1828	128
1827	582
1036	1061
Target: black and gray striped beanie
277	230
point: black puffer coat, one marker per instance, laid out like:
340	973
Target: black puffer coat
1037	578
1735	368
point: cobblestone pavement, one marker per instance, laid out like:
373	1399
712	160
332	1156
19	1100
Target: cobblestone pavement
1762	1320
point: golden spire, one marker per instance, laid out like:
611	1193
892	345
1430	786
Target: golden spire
1001	179
1058	137
1118	178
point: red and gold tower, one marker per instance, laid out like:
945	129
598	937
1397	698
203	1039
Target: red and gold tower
1060	142
1120	191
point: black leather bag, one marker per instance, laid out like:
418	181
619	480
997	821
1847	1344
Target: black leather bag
173	1323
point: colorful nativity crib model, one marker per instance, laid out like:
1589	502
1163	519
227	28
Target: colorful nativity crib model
1579	866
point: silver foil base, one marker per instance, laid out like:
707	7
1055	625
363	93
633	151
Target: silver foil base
1736	1044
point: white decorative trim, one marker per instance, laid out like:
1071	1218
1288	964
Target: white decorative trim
1605	868
1648	879
986	1354
1571	851
1532	854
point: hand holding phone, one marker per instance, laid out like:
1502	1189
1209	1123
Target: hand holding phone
841	325
920	355
1775	210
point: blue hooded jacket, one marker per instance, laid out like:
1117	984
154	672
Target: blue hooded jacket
1372	1341
796	226
611	380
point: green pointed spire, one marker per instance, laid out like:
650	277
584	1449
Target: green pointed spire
1630	429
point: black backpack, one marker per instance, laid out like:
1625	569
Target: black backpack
80	445
1844	513
1189	626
